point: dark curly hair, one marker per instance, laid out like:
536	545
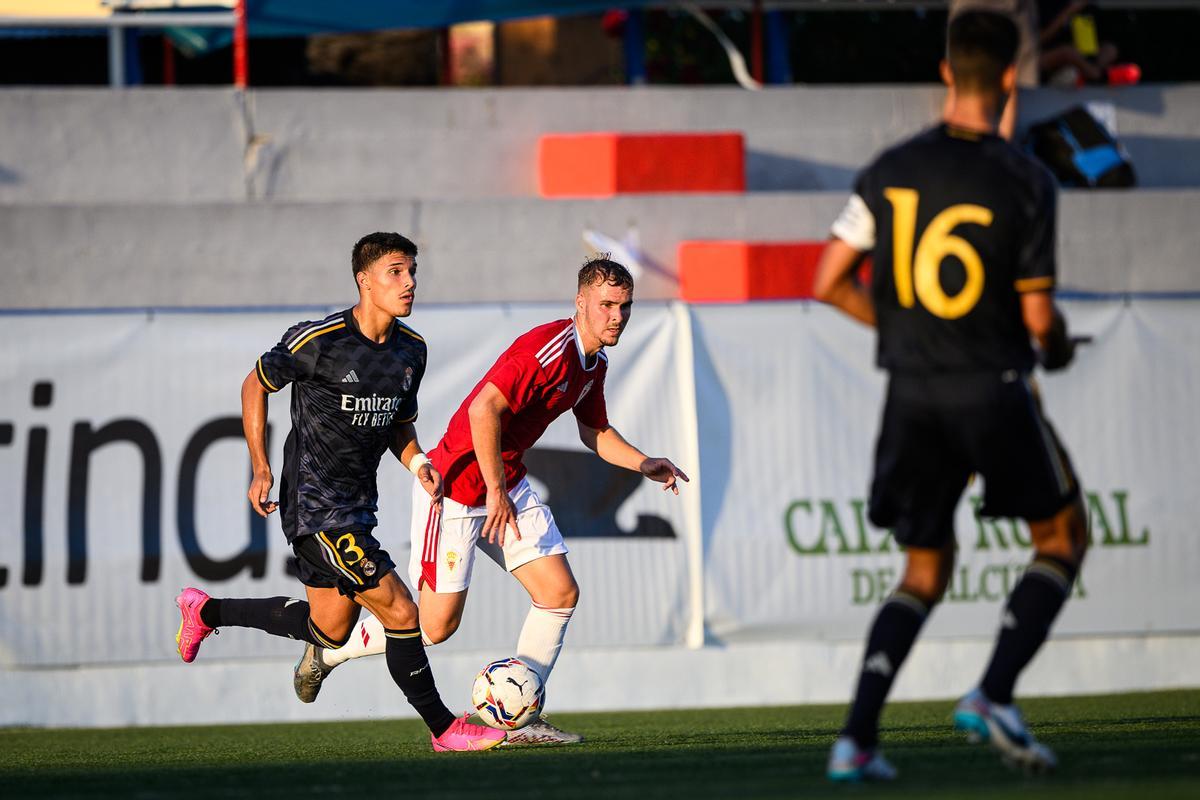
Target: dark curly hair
602	269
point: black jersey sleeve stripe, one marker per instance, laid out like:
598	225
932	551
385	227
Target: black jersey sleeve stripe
262	378
321	332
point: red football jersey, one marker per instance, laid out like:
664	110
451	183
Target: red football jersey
542	374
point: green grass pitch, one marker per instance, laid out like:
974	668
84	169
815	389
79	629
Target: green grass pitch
1133	745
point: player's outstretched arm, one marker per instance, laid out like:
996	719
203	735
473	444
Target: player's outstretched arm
254	426
485	414
835	284
609	444
407	450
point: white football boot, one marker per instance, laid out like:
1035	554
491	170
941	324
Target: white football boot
540	732
848	763
1003	728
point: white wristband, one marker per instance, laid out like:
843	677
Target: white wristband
418	461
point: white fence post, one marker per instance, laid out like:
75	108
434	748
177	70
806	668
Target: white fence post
692	492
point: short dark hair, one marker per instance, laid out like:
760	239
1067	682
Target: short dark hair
602	269
375	246
980	45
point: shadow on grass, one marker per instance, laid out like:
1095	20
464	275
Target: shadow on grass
697	754
771	766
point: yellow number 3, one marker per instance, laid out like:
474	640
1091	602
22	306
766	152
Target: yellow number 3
351	549
924	281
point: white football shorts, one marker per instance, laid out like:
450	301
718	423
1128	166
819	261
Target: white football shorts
444	544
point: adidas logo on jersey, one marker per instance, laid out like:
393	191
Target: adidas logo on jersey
351	377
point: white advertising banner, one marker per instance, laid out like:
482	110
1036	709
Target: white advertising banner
790	401
123	475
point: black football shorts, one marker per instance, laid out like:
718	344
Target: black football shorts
938	430
350	561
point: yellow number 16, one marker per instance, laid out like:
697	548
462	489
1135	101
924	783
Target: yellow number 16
925	276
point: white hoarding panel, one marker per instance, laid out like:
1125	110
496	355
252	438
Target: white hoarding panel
790	403
123	475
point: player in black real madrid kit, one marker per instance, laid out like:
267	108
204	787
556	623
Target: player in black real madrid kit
355	376
961	225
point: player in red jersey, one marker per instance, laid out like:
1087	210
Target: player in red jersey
489	505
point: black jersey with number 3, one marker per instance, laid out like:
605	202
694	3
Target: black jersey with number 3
348	393
964	222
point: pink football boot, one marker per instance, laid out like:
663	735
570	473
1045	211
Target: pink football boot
462	735
192	630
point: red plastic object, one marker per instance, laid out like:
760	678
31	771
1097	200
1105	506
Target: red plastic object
1124	75
733	271
607	164
613	21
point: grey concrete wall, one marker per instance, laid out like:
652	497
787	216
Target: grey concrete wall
120	146
165	197
202	145
386	144
493	249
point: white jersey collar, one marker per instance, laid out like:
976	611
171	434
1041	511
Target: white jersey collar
579	349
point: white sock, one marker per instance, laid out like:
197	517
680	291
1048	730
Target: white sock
542	638
367	639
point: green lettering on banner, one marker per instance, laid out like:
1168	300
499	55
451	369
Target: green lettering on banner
992	583
959	589
817	527
871	586
996	528
985	586
793	539
831	524
1119	497
1021	534
860	526
1097	519
863	587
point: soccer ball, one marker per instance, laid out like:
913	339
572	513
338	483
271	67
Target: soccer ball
508	694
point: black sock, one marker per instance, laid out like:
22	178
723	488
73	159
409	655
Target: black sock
1032	608
895	629
279	616
410	670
